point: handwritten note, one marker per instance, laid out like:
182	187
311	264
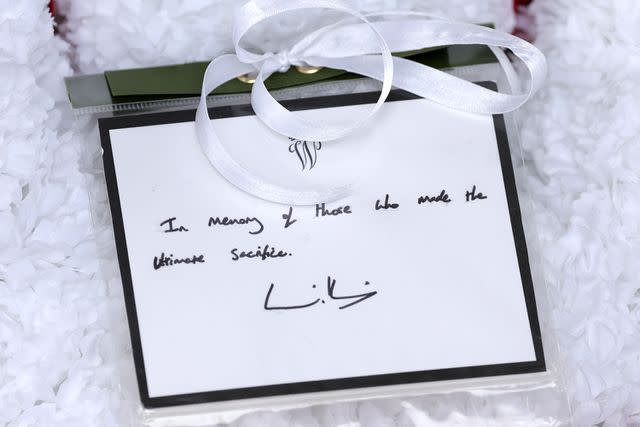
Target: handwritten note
420	272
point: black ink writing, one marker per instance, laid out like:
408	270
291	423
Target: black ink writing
260	253
442	197
471	195
331	285
288	218
171	225
237	221
171	228
169	260
321	210
386	204
285	307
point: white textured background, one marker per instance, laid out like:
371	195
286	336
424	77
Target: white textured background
63	336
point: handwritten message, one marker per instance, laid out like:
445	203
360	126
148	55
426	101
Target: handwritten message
254	225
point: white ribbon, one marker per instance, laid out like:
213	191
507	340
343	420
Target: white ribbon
358	44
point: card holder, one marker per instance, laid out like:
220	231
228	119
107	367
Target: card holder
172	86
441	193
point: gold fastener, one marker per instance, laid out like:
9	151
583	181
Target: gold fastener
247	78
307	69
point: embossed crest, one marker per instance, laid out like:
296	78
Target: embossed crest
306	151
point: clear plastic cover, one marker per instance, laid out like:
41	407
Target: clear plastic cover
536	399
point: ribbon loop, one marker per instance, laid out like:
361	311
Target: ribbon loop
359	44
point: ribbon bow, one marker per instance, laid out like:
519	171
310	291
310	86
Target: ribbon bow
358	44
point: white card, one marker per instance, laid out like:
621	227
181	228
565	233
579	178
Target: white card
420	275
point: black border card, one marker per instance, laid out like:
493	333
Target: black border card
118	122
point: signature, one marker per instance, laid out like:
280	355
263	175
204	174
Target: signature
331	286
